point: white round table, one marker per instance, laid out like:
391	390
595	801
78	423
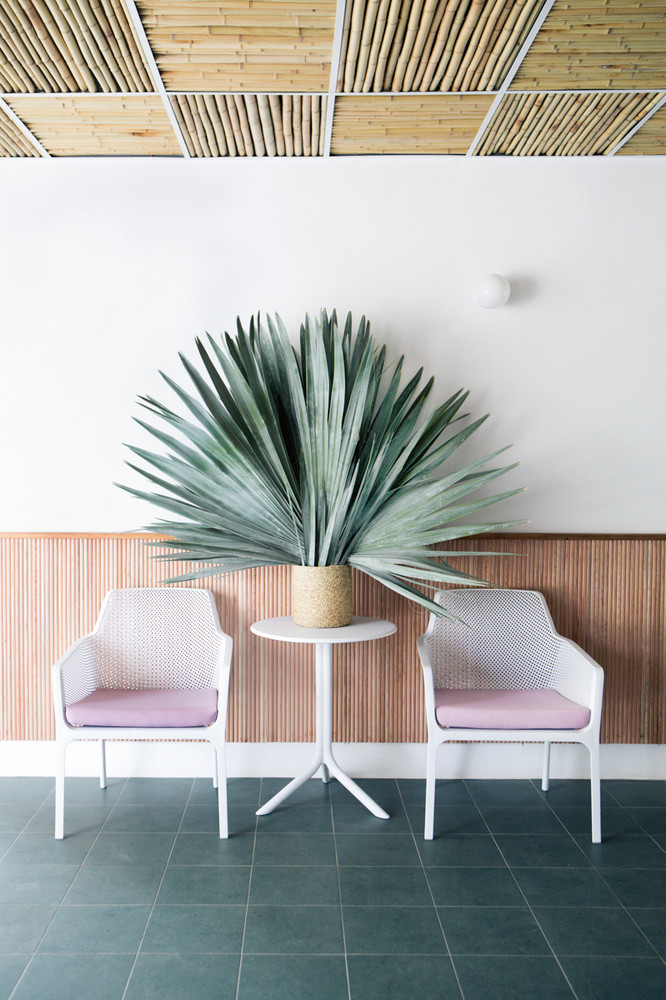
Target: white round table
360	630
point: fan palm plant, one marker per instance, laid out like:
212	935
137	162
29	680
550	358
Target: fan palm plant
314	457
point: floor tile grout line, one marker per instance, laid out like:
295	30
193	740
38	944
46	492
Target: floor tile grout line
337	871
434	905
249	890
157	891
527	903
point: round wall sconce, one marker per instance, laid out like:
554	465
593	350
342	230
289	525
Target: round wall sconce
493	290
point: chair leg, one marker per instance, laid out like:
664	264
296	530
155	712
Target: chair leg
102	764
545	774
431	768
61	750
595	793
216	777
220	767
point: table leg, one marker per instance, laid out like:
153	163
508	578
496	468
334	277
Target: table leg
324	746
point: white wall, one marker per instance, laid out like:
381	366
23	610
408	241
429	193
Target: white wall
109	267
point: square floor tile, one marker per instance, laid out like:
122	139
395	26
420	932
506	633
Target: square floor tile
542	851
304	930
314	792
80	817
402	977
294	849
392	930
307	885
11	970
6	841
360	849
33	790
624	851
210	849
448	791
384	887
508	793
614	820
205	819
22	927
221	885
240	792
156	792
616	978
35	883
194	928
41	848
456	852
473	887
652	819
637	886
591	931
355	818
492	930
15	815
184	977
564	887
68	977
652	922
384	791
294	817
449	820
84	791
130	883
524	978
293	977
637	793
570	792
528	820
144	819
130	849
109	929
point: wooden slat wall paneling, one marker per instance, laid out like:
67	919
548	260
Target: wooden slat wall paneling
605	593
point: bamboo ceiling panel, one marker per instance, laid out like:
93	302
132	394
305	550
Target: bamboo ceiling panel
650	140
432	45
252	124
598	44
242	45
403	124
97	125
63	46
564	124
12	140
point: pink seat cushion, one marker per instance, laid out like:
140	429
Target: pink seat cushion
474	709
148	709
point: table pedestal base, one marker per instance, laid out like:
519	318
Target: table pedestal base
323	757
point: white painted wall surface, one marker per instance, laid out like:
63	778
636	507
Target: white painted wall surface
109	267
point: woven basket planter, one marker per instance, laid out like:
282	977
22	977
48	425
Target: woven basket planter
321	596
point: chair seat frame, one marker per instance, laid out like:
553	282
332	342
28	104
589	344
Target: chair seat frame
588	669
75	666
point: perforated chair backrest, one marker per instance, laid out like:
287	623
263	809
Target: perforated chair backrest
156	638
507	641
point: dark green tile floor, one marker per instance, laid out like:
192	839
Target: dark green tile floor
321	900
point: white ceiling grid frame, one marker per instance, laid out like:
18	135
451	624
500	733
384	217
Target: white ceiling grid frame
155	75
335	66
501	93
23	128
636	128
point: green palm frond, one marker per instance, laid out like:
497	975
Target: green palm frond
317	456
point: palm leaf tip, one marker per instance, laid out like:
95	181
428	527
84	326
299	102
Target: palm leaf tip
318	453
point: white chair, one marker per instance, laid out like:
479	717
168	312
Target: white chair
155	667
506	675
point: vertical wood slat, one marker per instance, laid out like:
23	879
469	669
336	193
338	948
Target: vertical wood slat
605	593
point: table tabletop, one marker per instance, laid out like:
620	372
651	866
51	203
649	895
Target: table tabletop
286	630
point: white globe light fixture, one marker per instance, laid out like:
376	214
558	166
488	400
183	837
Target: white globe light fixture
493	290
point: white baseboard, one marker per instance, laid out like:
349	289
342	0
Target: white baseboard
362	760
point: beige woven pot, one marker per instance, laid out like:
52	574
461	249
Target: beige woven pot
321	596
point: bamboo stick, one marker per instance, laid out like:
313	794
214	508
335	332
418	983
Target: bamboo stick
478	46
499	43
40	41
108	45
239	138
344	44
244	124
369	21
429	45
127	31
407	45
526	14
355	32
454	16
275	105
29	43
266	124
107	62
316	125
422	35
298	125
182	124
254	121
377	38
322	129
457	52
88	46
213	115
490	54
16	74
190	125
41	16
385	47
396	44
202	120
306	108
120	46
287	124
77	62
225	118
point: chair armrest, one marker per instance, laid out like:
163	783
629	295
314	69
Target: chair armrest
428	676
578	677
74	675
